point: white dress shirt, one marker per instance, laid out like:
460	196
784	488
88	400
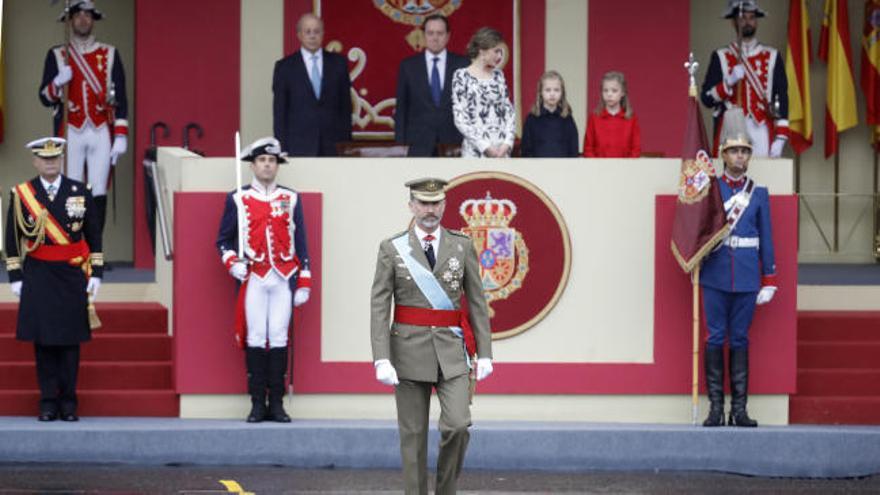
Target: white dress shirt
307	60
56	183
421	236
441	65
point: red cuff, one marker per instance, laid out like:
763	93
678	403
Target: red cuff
768	280
231	261
721	89
304	282
120	130
783	131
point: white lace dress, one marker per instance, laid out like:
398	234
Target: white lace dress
482	111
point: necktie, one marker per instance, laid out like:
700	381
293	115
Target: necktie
316	77
429	250
50	191
435	82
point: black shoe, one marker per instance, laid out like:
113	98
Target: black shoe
257	414
739	388
47	416
69	417
257	362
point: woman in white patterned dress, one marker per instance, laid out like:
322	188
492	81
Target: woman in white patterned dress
480	102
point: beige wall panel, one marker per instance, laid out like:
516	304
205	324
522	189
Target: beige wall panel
566	52
262	43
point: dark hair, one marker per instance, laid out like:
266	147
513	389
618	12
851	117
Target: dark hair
485	38
436	17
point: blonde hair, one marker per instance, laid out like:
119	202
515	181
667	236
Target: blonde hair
625	101
564	107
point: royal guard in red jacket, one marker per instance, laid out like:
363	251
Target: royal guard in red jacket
750	75
273	269
92	75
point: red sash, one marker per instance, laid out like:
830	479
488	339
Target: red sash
426	317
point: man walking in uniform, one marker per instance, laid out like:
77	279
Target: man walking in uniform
737	276
275	272
54	260
423	113
92	75
421	274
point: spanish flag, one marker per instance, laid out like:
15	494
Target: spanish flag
834	50
870	80
797	71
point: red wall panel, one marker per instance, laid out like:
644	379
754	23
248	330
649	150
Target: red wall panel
649	48
187	70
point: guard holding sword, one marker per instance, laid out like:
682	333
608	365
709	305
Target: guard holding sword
420	334
262	243
54	260
84	84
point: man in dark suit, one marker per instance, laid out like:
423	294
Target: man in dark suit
423	117
312	95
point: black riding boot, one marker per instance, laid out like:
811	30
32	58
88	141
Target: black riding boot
739	388
277	372
715	385
257	361
101	208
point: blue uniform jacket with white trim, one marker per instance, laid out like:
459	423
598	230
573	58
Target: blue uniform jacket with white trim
743	269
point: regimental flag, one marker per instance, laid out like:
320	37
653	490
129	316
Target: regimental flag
834	50
797	70
700	221
870	78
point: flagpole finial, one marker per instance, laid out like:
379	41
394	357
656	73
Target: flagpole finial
691	66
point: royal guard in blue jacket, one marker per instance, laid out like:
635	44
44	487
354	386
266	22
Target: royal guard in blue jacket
738	275
273	269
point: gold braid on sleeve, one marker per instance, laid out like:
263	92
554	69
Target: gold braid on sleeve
35	229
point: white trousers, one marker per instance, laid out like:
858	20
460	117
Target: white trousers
760	136
268	306
92	146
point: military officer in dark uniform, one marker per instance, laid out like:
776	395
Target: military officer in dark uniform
739	275
54	260
418	334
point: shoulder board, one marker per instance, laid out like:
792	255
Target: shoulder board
458	233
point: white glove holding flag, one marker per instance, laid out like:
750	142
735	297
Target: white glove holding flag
386	373
65	74
301	296
777	147
239	270
484	368
120	146
93	287
765	295
16	288
735	75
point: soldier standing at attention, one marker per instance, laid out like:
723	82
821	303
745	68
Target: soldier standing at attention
421	274
54	260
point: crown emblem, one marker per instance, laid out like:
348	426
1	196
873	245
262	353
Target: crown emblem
487	212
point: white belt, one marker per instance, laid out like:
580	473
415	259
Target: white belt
741	242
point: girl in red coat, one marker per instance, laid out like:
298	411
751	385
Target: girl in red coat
613	129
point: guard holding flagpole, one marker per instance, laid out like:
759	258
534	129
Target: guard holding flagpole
54	260
738	275
262	243
87	76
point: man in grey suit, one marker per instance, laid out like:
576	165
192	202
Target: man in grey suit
423	115
424	270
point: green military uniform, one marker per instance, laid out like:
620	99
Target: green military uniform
426	356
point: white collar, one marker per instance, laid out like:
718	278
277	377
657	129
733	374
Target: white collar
56	183
307	55
429	57
84	45
257	186
420	234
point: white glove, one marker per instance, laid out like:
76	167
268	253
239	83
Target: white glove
484	368
65	74
239	270
735	75
777	147
301	296
765	295
120	146
93	286
16	288
385	373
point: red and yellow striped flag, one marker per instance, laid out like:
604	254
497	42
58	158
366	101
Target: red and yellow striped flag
834	50
870	80
797	70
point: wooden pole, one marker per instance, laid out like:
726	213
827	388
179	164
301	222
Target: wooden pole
695	384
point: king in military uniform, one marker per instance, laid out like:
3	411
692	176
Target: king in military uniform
419	334
738	275
273	269
54	260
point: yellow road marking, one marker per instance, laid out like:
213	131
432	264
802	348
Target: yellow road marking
232	486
